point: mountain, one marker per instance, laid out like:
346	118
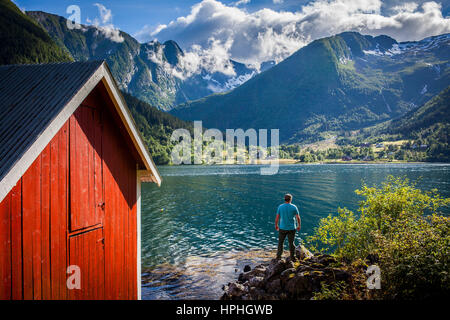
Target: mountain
23	40
156	127
427	128
428	125
433	113
158	73
340	83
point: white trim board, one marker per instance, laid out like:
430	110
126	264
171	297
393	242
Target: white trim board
138	235
102	73
127	119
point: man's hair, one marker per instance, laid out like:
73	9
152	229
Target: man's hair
287	197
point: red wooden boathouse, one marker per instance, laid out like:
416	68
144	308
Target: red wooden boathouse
71	164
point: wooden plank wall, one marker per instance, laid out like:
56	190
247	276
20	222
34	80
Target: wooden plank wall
86	168
87	253
34	220
33	231
120	215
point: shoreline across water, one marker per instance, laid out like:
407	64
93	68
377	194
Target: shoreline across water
293	161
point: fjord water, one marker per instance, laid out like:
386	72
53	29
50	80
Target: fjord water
205	222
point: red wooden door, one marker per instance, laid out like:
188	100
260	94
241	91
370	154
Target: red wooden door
88	254
86	238
86	172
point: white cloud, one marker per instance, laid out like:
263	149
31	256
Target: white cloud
240	2
405	7
213	59
266	34
105	14
105	25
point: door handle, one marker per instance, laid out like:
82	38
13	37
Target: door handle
101	205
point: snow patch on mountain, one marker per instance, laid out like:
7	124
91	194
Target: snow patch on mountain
412	46
424	90
216	86
344	60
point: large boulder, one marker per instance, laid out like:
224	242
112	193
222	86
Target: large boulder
258	271
302	253
304	284
275	268
257	282
273	286
236	290
298	287
287	274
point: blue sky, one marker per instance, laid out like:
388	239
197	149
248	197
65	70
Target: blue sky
131	15
254	31
128	16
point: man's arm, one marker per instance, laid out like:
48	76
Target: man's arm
277	218
299	222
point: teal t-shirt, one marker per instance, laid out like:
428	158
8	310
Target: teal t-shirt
287	212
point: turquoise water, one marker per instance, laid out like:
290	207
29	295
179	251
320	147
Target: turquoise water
200	226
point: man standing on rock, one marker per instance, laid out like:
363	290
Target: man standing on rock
287	213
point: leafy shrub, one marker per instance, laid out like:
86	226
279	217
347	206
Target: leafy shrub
402	226
333	291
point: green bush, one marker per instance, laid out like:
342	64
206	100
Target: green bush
402	226
333	291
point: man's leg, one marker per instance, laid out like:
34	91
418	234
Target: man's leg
281	236
291	238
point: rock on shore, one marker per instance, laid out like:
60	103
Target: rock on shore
286	279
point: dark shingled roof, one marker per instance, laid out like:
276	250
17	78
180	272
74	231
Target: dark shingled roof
31	96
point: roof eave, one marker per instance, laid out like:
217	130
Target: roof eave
127	119
101	74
